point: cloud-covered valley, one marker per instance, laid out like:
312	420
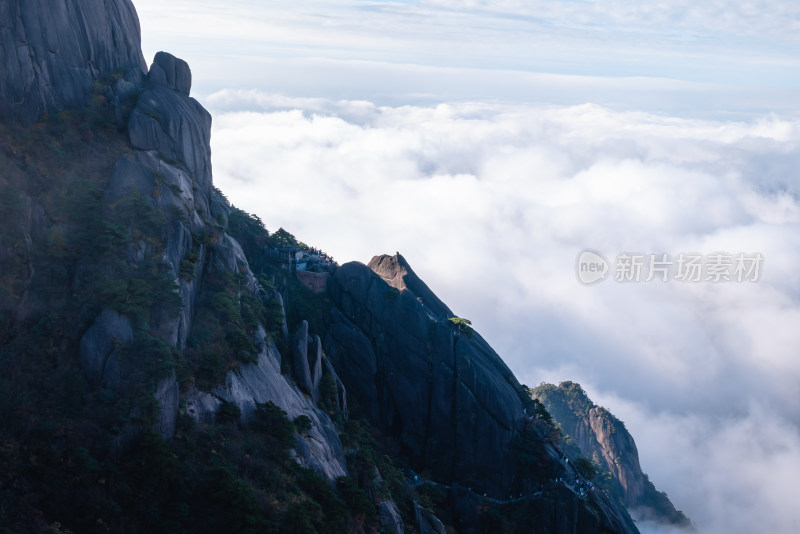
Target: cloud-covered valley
491	203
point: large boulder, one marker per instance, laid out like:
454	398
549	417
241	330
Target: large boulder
171	72
177	128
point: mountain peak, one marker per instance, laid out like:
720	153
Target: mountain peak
397	272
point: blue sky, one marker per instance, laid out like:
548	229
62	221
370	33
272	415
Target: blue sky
714	57
539	129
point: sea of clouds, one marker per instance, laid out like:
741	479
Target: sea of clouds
491	141
491	204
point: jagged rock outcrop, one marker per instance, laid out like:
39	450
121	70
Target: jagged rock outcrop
171	169
315	365
320	449
171	124
299	348
396	271
449	397
53	51
603	438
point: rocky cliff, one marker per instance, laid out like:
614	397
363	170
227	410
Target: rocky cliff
119	280
602	438
452	400
53	52
148	381
448	397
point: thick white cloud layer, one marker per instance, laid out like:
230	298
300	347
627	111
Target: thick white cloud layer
736	474
491	204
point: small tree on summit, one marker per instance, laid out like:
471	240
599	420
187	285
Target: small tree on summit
282	238
462	325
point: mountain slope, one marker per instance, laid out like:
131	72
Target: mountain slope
603	438
452	403
148	381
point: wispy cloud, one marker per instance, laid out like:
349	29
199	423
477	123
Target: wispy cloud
478	50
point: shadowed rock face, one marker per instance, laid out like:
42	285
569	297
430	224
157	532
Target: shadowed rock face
445	394
300	366
448	396
52	51
171	167
98	346
168	122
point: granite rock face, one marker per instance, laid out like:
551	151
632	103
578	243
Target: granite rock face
171	72
53	51
390	517
99	344
427	522
443	393
299	350
320	449
167	394
603	438
315	365
170	167
396	272
449	398
169	122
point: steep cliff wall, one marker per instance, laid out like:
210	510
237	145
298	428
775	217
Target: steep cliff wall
452	402
603	438
141	384
448	396
59	55
113	244
53	51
